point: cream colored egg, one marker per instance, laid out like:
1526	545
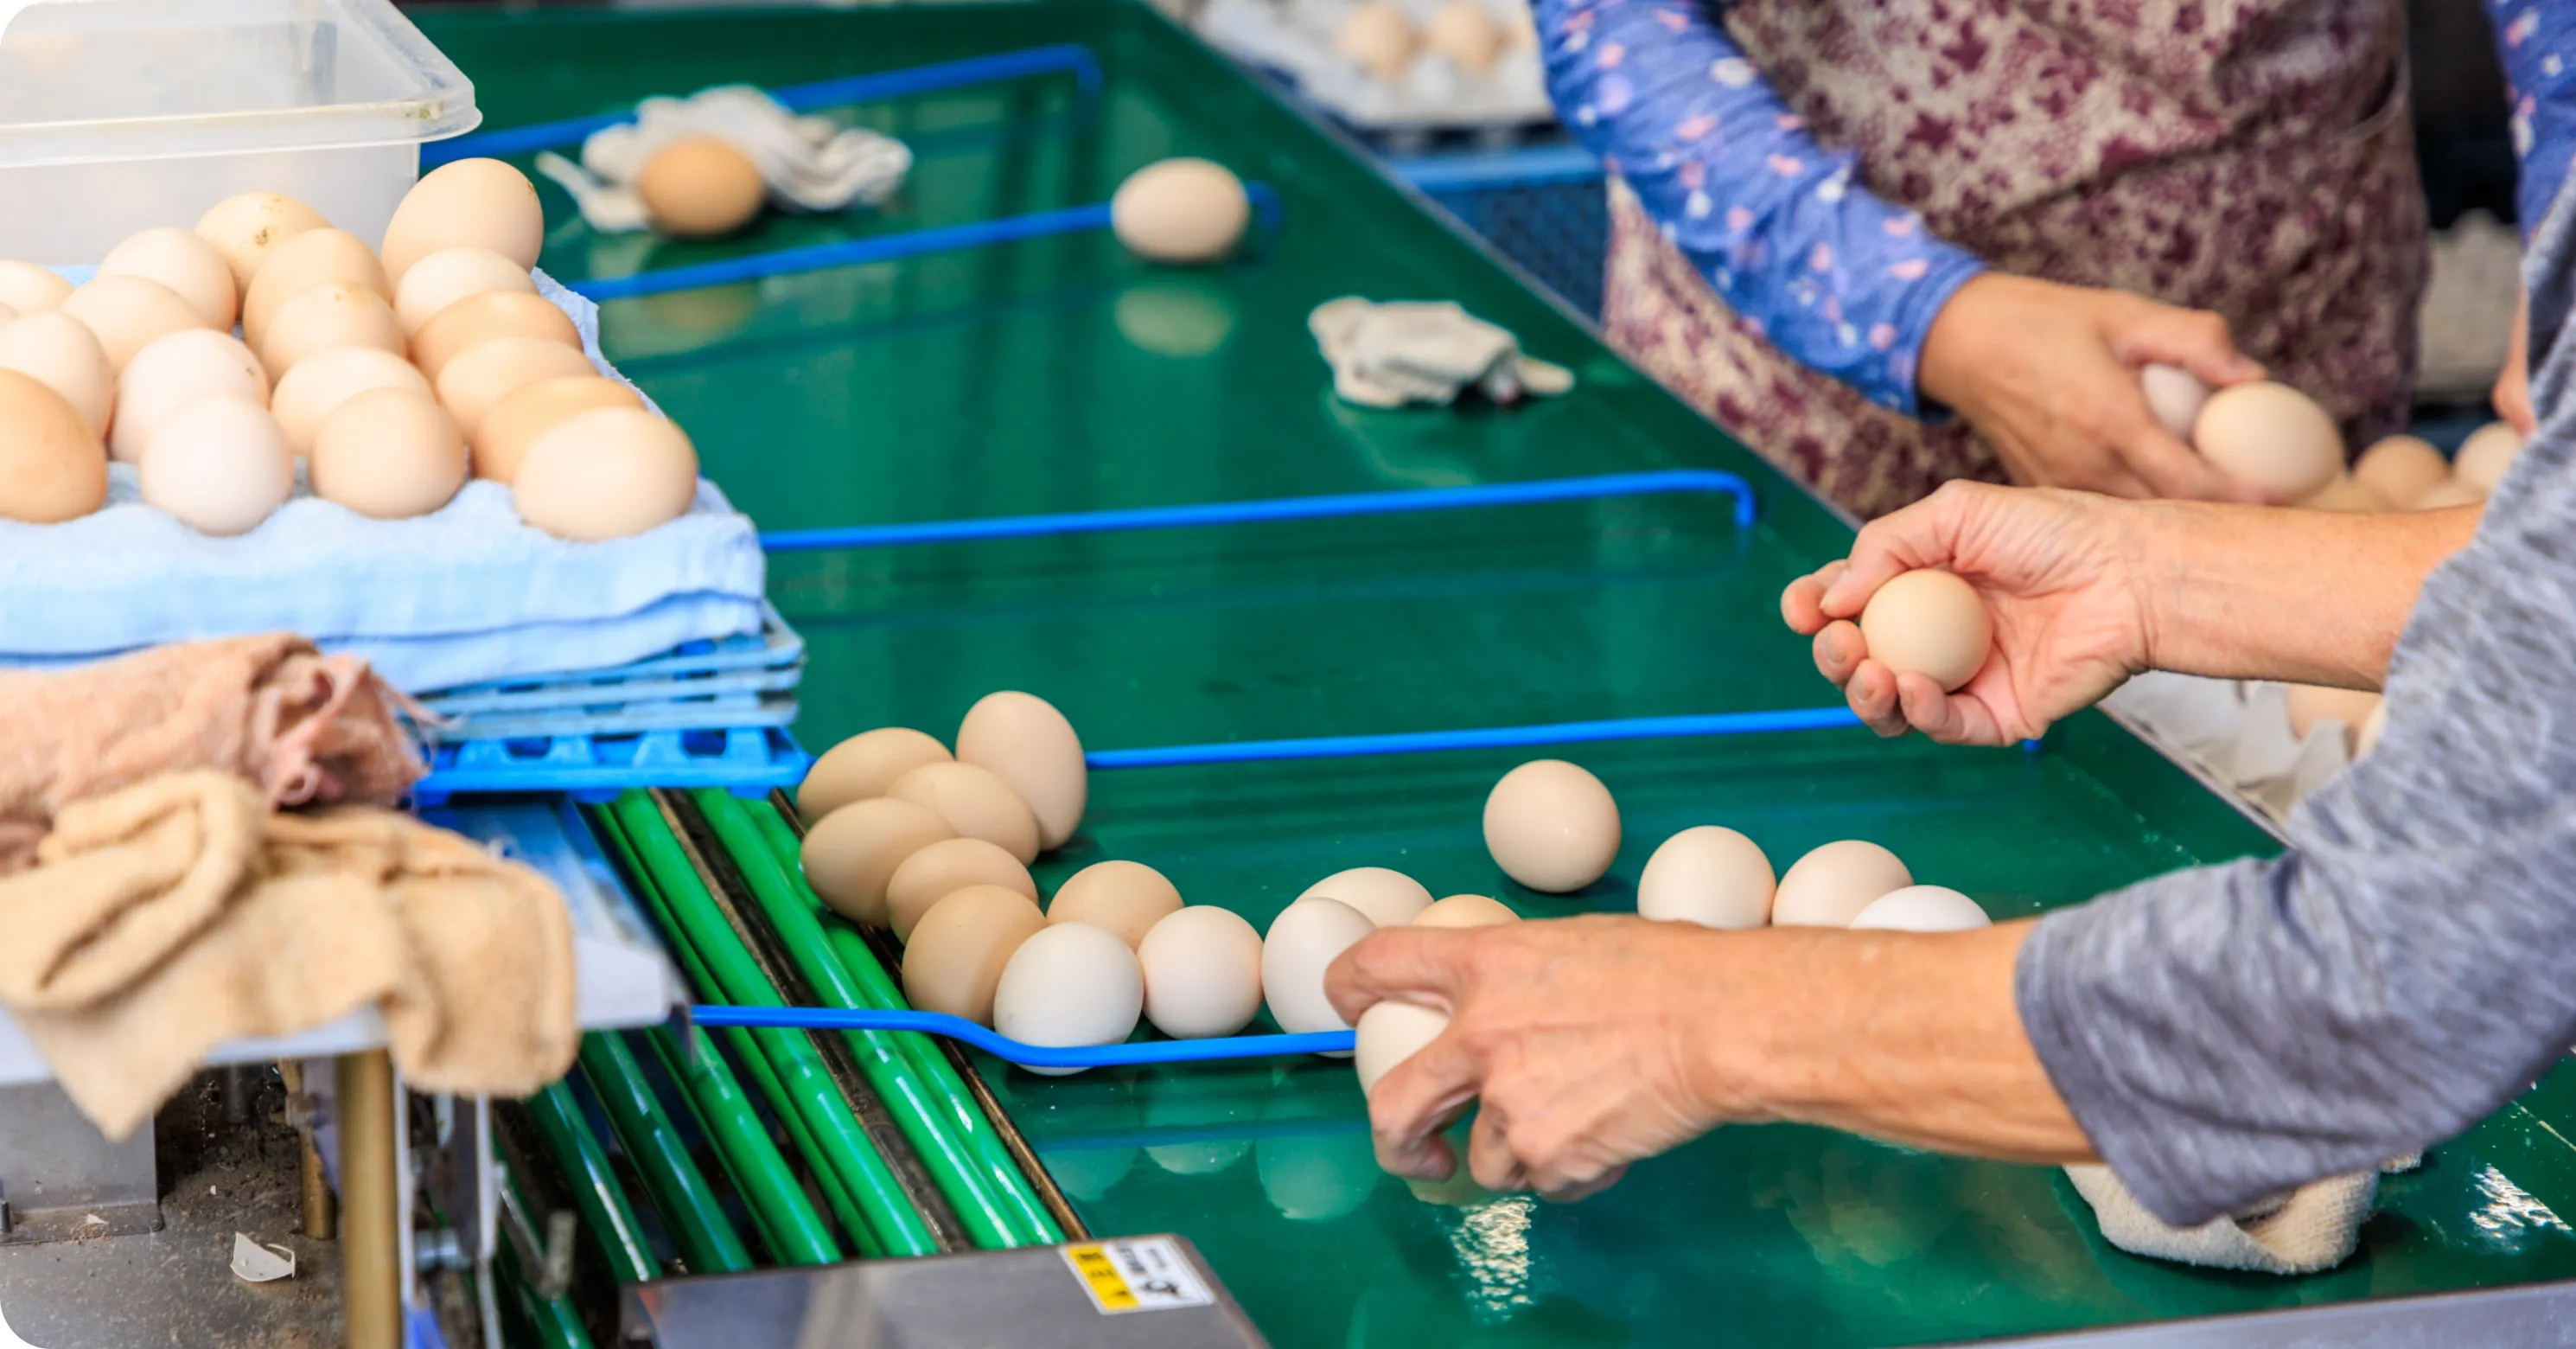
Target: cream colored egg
1180	211
128	313
471	203
1390	1033
2312	705
1922	908
606	474
1830	886
1023	740
60	352
173	372
851	854
1928	621
185	263
1302	943
1376	37
2270	435
959	949
1070	985
1389	898
526	413
319	383
220	465
1466	911
2485	455
325	317
476	381
2371	725
2347	493
2174	395
245	229
864	766
1708	875
2448	493
1202	969
390	454
313	258
698	187
52	467
478	319
1127	898
1552	826
943	869
31	289
2401	468
1463	32
454	274
975	803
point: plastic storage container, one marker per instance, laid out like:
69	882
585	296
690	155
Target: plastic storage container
119	115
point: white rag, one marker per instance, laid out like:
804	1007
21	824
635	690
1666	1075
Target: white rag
2314	1227
1409	351
808	162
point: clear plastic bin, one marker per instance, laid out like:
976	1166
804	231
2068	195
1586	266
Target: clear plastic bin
119	115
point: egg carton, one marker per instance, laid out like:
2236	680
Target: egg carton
748	761
2237	731
1294	39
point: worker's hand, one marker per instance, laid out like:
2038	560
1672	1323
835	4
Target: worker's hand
2049	375
2059	574
2513	387
1579	1038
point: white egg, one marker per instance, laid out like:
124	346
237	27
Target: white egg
173	372
1202	969
1923	908
220	465
1552	826
1390	1033
1709	875
1830	886
1069	984
191	267
1389	898
1302	943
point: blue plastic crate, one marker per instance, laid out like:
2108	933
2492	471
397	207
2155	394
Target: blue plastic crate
1545	208
748	761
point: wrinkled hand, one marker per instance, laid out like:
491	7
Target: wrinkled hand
2049	375
2513	388
2059	574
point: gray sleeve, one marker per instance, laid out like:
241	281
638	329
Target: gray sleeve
2227	1033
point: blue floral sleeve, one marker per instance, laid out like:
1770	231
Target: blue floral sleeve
2537	39
1843	282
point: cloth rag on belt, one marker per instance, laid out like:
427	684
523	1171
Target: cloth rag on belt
1411	351
810	163
2312	1228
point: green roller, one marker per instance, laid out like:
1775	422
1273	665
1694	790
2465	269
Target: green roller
556	1324
778	1204
690	1208
596	1193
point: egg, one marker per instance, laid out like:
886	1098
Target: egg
2270	435
331	315
1069	985
1830	886
1202	969
1922	908
2311	705
1466	911
1302	943
2371	725
698	187
61	353
850	855
975	803
1023	740
128	313
2347	493
1180	211
313	258
1708	875
244	230
501	443
52	467
453	274
2401	468
2485	455
471	203
1552	826
390	454
309	393
220	465
2448	493
1127	898
188	265
478	378
864	766
478	319
31	289
605	474
943	869
959	949
1389	898
1931	622
1390	1033
2174	395
1464	33
1376	37
173	372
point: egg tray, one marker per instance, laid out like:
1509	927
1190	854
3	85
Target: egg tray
1294	42
747	761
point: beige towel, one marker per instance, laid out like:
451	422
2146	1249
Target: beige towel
167	917
2312	1228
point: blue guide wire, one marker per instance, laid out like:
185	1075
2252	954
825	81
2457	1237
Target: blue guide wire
1029	1055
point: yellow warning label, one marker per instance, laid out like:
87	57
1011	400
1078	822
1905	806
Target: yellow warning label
1100	1274
1137	1274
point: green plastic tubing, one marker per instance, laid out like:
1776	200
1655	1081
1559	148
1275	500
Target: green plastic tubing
690	1208
876	989
557	1325
992	1223
795	1233
893	1227
596	1195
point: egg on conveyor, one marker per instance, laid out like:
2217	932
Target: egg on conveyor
514	424
1552	826
850	855
943	869
1302	943
959	949
453	274
1202	969
52	467
2448	493
1830	886
698	187
319	383
1923	908
389	454
1928	621
1070	985
2402	469
2174	395
220	466
174	372
974	802
328	316
2485	455
864	766
1708	875
1127	898
312	258
128	313
1180	211
1390	1033
1389	898
61	353
31	289
1376	37
1023	740
187	264
2270	435
1466	911
1464	33
245	229
488	317
471	203
478	378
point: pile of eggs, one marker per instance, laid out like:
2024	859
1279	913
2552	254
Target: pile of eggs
2277	438
216	359
1378	38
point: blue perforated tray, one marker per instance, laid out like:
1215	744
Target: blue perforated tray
748	761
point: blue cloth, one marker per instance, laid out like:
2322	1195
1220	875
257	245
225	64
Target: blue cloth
2537	41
